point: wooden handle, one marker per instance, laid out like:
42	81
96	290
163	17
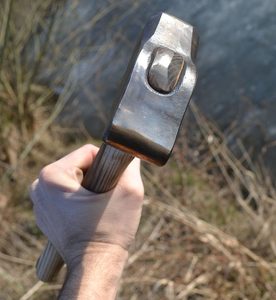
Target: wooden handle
101	177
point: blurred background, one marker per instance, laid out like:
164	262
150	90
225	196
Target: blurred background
208	229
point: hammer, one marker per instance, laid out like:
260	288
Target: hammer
156	90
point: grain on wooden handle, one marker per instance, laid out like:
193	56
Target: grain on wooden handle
101	177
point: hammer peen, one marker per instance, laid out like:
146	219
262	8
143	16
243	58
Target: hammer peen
155	94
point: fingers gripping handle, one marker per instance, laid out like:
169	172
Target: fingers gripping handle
106	169
101	177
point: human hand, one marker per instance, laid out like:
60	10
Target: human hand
77	221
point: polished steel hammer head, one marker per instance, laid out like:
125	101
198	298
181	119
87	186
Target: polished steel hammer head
156	90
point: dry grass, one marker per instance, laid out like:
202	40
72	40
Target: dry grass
197	239
208	225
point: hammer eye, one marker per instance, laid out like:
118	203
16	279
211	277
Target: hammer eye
165	70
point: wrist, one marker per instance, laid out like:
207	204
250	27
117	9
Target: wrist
96	273
98	250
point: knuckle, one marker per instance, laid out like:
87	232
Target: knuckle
89	147
134	189
47	172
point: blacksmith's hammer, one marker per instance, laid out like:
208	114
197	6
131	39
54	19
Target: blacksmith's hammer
156	91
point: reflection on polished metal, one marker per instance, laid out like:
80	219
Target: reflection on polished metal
157	88
165	70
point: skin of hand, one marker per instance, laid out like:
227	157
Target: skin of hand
92	232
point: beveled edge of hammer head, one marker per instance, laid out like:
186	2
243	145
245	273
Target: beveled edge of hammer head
146	121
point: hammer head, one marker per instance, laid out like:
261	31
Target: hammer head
156	90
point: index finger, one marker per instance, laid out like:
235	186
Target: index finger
81	158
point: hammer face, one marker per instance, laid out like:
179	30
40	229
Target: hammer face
157	91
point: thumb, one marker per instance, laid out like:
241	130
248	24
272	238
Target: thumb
131	179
